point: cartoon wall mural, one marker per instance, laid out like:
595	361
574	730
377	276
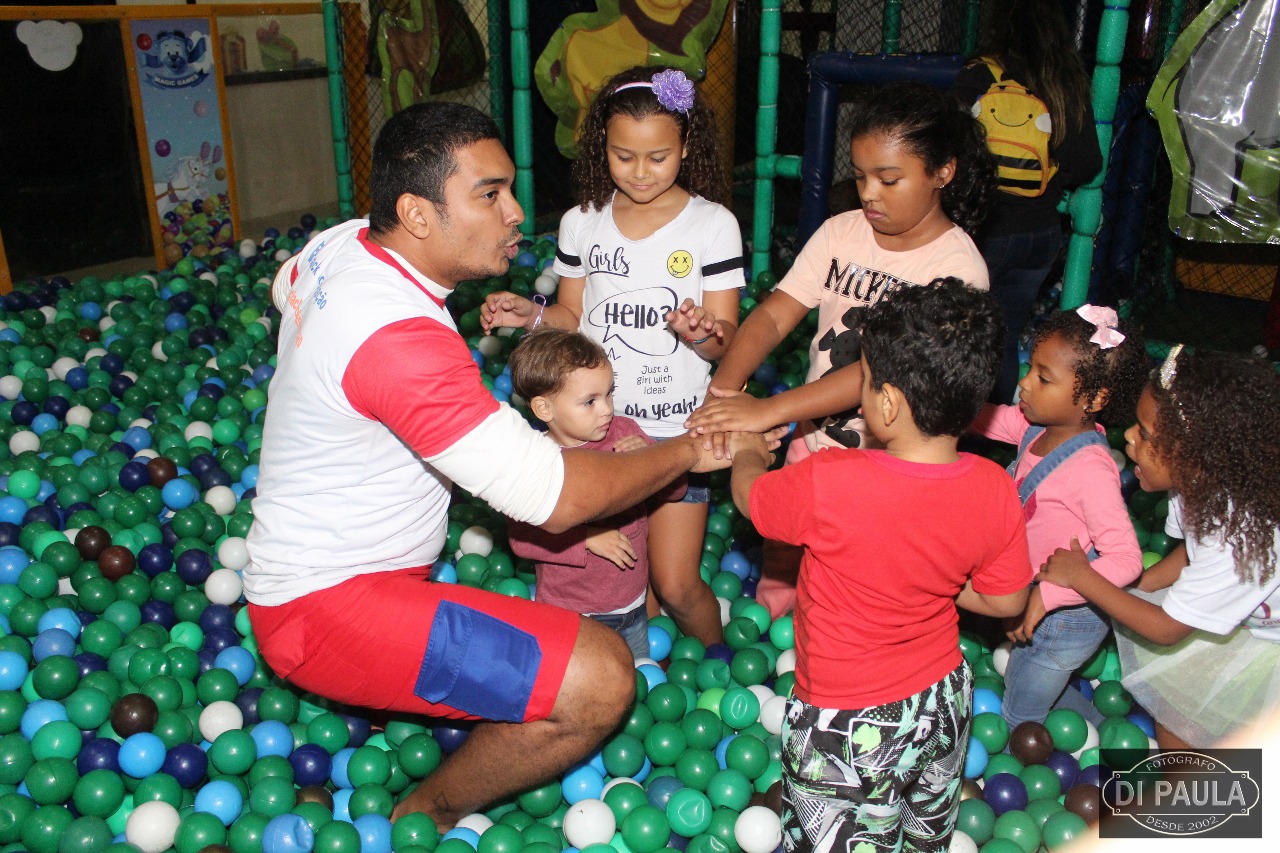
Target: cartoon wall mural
1217	101
424	48
185	137
590	47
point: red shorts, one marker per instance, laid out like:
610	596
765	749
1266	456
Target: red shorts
396	641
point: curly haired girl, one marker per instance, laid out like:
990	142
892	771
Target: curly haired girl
1199	639
1086	366
650	267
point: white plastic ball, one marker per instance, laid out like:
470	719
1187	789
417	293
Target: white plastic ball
146	453
50	313
1119	457
157	351
962	843
78	416
233	553
222	499
764	694
545	284
758	830
94	352
1090	740
1000	657
105	323
23	439
786	661
506	332
550	272
63	366
589	822
248	248
150	279
197	429
772	713
133	376
489	346
211	361
282	255
223	586
476	540
152	826
639	662
210	276
475	821
218	717
10	387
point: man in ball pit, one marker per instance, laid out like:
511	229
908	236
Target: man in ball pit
376	408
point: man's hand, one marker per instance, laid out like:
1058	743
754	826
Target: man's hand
711	460
505	309
1020	629
613	546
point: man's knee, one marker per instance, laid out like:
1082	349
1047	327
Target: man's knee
600	684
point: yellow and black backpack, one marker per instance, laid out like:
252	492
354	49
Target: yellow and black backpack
1018	131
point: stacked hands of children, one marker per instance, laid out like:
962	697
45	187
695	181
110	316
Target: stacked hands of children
694	323
723	412
1064	568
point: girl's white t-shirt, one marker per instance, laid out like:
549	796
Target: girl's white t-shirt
632	284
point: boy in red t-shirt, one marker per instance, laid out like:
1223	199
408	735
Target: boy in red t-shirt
875	737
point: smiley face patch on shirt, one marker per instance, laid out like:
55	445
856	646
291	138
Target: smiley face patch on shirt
680	263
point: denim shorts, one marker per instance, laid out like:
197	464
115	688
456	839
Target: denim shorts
633	626
699	491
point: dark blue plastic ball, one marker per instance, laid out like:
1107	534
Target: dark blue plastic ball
194	566
186	763
154	558
23	413
160	612
311	765
99	753
134	475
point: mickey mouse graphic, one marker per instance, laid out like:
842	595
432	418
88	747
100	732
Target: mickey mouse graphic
845	348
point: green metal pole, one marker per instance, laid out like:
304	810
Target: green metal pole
522	111
972	19
497	69
766	135
1085	204
891	28
338	110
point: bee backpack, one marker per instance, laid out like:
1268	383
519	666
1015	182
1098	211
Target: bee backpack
1018	130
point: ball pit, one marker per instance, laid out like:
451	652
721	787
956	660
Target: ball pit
131	689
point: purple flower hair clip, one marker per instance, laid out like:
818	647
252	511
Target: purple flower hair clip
672	88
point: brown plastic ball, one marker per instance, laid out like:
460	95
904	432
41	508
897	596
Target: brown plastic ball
773	798
91	540
1084	800
88	335
314	794
133	713
115	562
1030	743
161	470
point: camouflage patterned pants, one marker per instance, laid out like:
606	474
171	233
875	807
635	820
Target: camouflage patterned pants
882	778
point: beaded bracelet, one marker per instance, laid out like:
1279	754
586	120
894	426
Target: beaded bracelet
691	342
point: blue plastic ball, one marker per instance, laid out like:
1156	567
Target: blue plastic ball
660	643
221	799
290	833
375	834
986	701
975	760
141	755
238	661
582	782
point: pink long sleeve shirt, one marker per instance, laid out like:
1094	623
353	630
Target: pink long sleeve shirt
1081	499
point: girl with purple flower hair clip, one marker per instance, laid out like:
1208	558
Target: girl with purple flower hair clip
650	264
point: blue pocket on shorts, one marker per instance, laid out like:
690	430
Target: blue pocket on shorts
478	664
